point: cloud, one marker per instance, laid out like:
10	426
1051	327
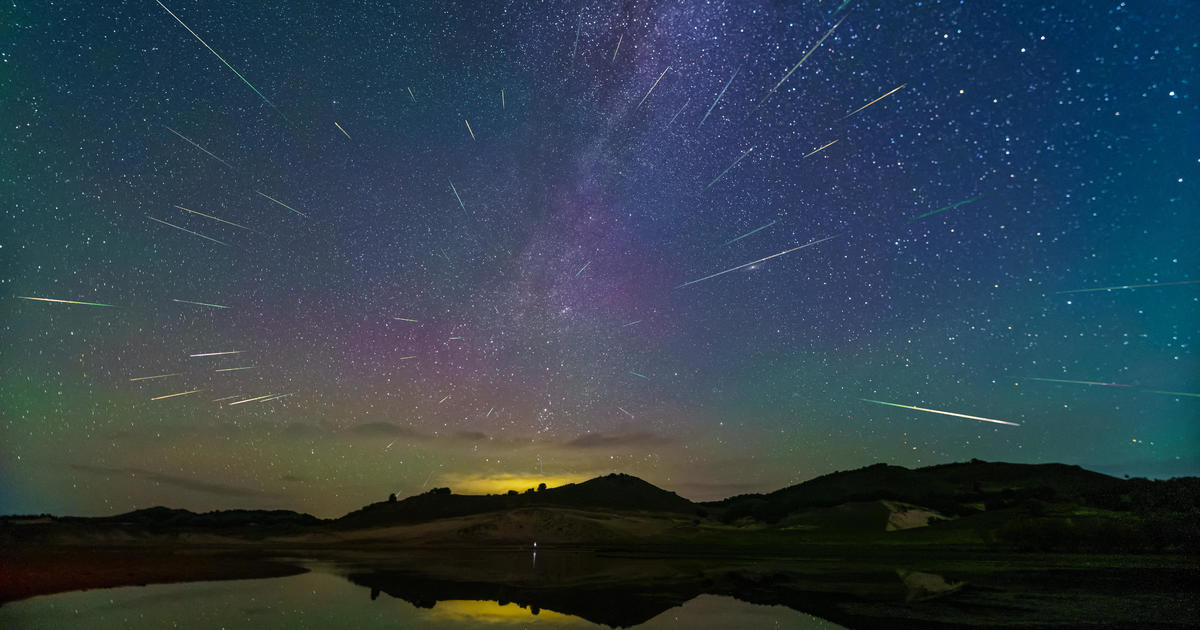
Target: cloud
172	480
617	440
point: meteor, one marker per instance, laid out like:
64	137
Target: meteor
710	108
502	99
199	303
1131	286
405	319
631	323
578	27
342	130
460	202
278	397
189	140
734	240
802	59
225	398
209	216
872	102
614	57
210	49
945	208
250	400
685	104
248	367
147	378
735	163
822	148
407	358
189	231
1159	391
639	375
469	128
489	413
410	95
625	412
664	73
1060	380
755	262
213	354
944	413
444	399
261	194
179	394
22	297
582	268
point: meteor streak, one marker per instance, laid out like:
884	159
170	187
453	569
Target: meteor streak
625	412
582	268
407	358
248	367
469	128
685	104
179	394
502	99
802	59
189	231
639	375
410	95
199	303
342	130
460	203
1131	286
735	163
872	102
489	413
444	399
189	140
225	398
710	108
213	354
614	57
1159	391
282	204
278	397
66	301
147	378
664	73
1060	380
405	319
822	148
734	240
209	216
250	400
944	413
631	323
210	49
945	208
755	262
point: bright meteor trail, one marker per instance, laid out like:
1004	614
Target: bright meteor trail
664	73
802	59
210	49
147	378
944	413
735	163
755	262
945	208
822	148
872	102
209	216
710	108
282	204
66	301
189	231
179	394
213	354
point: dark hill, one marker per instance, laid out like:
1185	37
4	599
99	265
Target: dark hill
161	517
948	488
613	492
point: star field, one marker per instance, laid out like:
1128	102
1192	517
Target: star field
456	244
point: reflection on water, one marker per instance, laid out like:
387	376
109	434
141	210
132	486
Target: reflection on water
321	599
506	589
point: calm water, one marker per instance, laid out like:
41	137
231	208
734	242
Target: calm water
325	599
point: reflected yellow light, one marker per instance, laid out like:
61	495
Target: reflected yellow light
500	484
494	612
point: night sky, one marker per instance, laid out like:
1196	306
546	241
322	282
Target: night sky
537	330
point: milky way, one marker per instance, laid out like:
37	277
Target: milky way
446	244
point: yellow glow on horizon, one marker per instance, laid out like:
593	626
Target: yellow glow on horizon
493	612
502	483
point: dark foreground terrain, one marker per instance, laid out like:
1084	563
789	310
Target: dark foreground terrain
965	545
